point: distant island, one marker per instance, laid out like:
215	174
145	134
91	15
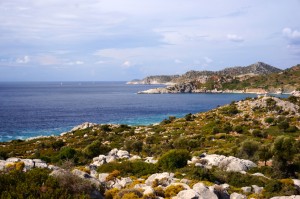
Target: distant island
259	78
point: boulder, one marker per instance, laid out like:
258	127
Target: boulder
228	163
204	192
124	181
113	152
287	197
246	189
135	157
150	160
81	174
41	165
13	160
237	196
52	167
257	189
29	163
259	175
188	194
110	159
296	183
123	154
2	164
102	177
148	190
83	126
164	179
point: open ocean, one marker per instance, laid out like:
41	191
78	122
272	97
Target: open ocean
50	108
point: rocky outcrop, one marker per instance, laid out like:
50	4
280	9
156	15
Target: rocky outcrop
28	164
262	103
83	126
226	163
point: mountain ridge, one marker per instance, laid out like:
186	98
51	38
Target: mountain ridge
257	68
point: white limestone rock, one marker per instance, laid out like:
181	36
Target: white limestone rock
2	164
122	154
204	192
102	177
229	163
164	178
83	126
135	157
188	194
150	160
13	160
237	196
257	189
246	189
287	197
81	174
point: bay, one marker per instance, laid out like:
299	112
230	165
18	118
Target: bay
29	109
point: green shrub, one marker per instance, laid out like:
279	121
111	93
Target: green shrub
129	168
94	149
269	120
173	190
174	159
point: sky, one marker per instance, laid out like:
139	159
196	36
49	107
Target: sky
110	40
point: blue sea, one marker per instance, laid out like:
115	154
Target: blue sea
29	109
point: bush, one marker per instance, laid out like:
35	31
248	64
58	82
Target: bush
174	159
269	120
239	129
37	183
248	148
94	149
173	190
129	168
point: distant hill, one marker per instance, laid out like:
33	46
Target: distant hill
258	68
286	80
255	78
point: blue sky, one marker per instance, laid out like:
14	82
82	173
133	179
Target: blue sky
104	40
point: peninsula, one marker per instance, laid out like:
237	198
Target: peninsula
257	78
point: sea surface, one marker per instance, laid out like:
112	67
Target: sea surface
29	109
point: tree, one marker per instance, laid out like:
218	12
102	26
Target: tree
137	146
249	148
264	153
284	149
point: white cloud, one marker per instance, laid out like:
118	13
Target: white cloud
23	60
127	64
207	60
75	63
235	38
178	61
293	35
100	62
